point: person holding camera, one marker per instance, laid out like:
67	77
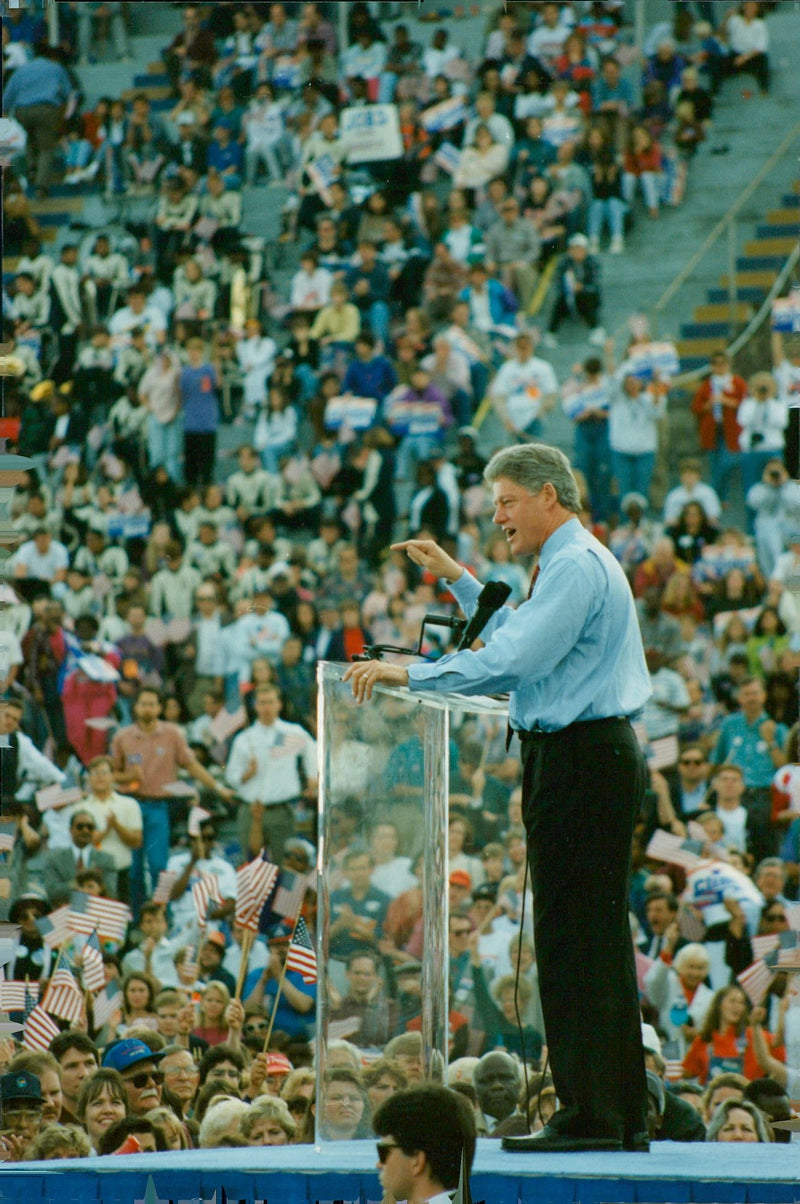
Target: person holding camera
775	503
763	418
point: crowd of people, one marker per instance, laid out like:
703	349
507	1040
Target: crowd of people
161	618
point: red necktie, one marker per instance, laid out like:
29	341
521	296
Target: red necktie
534	576
81	863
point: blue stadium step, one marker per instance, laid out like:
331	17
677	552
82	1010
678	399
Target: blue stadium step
705	330
756	263
162	106
744	293
790	200
775	230
151	81
689	363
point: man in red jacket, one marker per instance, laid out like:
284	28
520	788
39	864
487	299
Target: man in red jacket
716	404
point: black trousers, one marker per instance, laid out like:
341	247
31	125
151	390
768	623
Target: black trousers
587	306
581	792
199	453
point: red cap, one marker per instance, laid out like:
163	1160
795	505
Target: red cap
461	878
278	1063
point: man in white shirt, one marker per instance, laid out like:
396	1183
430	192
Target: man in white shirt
42	557
24	768
156	954
10	660
547	40
524	389
251	489
263	769
202	858
729	785
118	818
172	588
137	313
691	489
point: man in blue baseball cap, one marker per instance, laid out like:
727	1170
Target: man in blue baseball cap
20	1112
138	1065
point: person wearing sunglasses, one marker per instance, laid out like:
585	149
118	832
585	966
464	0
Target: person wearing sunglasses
690	787
61	865
421	1133
140	1072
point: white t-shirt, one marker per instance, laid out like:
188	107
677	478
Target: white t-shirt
126	810
734	822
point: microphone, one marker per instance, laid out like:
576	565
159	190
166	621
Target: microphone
490	599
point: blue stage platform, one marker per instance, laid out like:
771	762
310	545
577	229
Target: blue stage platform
670	1174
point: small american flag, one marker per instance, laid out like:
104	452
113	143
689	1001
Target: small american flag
755	980
301	956
788	950
189	961
690	924
290	893
63	997
762	945
79	919
106	1003
673	1071
12	995
39	1029
110	918
93	972
204	890
254	881
664	846
54	928
166	881
792	913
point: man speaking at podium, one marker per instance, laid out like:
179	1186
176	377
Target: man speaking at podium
571	659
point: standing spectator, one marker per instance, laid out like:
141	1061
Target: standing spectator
716	407
264	770
577	291
146	757
118	820
36	95
751	739
199	381
159	393
763	417
512	251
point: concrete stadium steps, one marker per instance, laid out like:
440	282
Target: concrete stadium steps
720	311
154	93
750	294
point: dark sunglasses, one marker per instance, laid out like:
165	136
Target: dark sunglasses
691	761
774	915
146	1076
384	1150
84	827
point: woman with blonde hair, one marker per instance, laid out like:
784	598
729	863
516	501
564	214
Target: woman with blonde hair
269	1122
175	1134
210	1024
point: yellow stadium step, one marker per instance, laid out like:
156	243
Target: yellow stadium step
696	347
157	92
10	263
720	311
760	277
783	217
58	204
771	246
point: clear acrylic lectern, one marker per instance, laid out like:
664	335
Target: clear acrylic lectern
384	780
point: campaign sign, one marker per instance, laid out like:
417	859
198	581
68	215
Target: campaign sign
444	115
645	359
354	413
370	133
414	416
786	312
589	397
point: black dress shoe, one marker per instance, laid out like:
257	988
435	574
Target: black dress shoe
550	1141
639	1143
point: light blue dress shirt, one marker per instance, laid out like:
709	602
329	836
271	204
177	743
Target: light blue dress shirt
570	653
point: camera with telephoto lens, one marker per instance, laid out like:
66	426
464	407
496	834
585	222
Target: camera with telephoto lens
775	475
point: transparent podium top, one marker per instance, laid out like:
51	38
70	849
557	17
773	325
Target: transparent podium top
480	704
